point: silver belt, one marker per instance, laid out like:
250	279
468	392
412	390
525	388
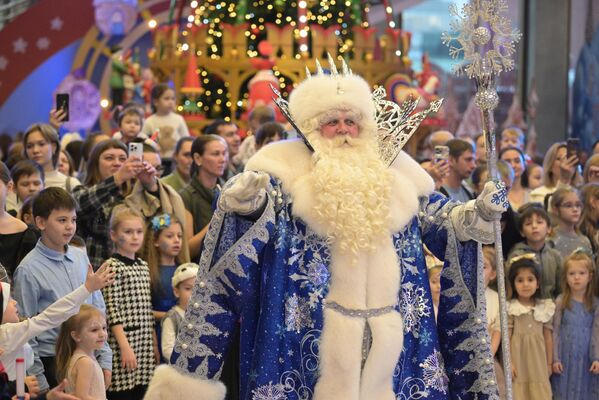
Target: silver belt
369	313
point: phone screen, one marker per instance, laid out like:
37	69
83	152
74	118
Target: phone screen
62	103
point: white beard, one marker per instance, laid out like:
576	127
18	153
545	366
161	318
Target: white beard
352	191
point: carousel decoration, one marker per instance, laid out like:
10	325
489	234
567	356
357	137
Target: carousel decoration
483	36
115	17
227	38
84	107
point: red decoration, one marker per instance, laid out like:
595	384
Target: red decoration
192	81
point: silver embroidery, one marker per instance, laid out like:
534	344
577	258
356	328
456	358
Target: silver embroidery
297	314
413	305
216	282
476	311
369	313
299	382
269	392
433	372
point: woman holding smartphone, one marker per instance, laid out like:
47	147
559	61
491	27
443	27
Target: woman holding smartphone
110	171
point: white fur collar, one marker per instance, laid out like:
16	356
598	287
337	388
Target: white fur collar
543	310
291	161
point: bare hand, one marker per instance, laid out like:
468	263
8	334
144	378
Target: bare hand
33	386
103	277
567	169
147	176
128	170
557	368
58	393
56	117
595	367
128	359
107	378
438	171
514	374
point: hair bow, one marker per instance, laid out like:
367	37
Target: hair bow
160	222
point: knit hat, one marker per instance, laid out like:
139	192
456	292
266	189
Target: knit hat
184	272
5	298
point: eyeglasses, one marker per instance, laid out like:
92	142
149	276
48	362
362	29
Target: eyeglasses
571	205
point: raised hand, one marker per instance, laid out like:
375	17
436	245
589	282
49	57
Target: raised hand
103	277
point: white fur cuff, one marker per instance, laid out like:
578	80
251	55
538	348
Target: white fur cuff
168	383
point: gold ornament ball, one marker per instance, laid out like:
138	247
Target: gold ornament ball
481	35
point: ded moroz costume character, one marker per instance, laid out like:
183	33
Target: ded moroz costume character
319	255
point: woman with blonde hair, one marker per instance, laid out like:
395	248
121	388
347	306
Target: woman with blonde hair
559	170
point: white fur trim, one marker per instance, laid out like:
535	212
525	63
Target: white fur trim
323	93
291	162
371	281
168	383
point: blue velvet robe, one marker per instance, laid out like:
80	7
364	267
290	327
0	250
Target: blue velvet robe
272	275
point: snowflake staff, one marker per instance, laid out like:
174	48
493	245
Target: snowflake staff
487	42
317	248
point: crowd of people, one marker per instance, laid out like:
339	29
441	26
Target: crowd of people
550	242
140	223
66	204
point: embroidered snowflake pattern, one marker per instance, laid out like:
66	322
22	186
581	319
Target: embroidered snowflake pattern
426	337
297	314
307	243
413	305
269	392
433	372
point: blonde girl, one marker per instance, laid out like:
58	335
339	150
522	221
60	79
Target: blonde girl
434	280
80	336
163	246
530	326
129	309
576	332
566	208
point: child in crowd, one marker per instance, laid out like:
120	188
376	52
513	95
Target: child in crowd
15	334
162	249
512	137
532	177
492	298
534	225
530	326
130	120
165	126
42	146
566	206
80	336
576	333
28	179
66	166
182	283
434	280
129	309
16	238
26	214
49	272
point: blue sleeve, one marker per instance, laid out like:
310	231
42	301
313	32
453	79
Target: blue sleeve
232	249
434	212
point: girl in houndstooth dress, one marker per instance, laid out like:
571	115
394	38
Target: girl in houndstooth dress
129	310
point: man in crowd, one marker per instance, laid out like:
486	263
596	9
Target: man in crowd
461	164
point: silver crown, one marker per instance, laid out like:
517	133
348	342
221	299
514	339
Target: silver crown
395	124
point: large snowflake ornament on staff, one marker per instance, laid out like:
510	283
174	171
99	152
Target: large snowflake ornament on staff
481	25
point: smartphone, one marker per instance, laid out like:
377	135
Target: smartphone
136	150
573	147
441	154
62	103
